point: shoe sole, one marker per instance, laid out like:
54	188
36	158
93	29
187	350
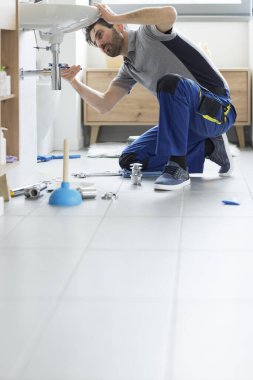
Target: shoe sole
172	187
230	158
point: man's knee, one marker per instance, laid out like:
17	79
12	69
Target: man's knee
168	83
126	159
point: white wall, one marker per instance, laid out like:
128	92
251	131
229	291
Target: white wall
68	122
227	41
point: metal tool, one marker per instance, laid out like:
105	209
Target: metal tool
98	174
34	192
87	192
21	190
136	173
109	195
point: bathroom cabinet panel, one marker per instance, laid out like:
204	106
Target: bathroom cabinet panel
141	107
9	105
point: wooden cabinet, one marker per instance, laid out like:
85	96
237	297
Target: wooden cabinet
9	57
240	86
141	107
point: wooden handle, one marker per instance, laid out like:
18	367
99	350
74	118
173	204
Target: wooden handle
66	161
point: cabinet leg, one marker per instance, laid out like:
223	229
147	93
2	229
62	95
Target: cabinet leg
94	133
240	136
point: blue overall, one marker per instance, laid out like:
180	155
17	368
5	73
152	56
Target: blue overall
186	120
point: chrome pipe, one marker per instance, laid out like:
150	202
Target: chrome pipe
56	70
43	72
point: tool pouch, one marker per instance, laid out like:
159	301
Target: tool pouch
211	107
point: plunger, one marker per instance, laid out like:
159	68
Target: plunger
64	196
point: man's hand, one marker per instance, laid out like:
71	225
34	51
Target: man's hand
106	13
69	74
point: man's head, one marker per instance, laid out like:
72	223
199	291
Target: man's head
107	37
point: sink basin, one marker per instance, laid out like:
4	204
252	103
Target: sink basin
56	18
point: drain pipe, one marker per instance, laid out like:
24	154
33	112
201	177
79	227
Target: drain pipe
55	69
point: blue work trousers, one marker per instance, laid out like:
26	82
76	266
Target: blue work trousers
183	124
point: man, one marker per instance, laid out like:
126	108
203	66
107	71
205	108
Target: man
195	106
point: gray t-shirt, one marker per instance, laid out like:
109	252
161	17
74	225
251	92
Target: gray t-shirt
153	54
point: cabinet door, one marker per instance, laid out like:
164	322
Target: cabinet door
141	107
8	14
239	84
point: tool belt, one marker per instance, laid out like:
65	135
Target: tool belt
211	108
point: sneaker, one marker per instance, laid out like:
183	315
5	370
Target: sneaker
222	155
172	178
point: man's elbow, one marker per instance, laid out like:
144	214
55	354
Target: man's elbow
171	13
103	110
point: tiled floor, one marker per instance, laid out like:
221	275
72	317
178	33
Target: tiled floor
150	286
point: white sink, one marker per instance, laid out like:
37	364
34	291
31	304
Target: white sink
56	18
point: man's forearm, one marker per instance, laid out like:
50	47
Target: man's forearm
148	16
92	97
162	17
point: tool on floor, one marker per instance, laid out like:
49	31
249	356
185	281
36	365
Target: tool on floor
21	190
136	173
55	157
34	192
121	173
87	192
109	195
97	174
64	196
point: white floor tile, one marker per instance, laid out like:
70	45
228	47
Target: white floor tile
22	206
35	272
21	321
137	233
217	233
125	274
151	286
216	275
8	223
209	183
214	341
89	207
105	340
206	204
147	184
52	232
139	203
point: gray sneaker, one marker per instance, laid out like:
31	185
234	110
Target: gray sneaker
172	178
221	155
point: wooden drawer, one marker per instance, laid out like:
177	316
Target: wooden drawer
239	83
139	107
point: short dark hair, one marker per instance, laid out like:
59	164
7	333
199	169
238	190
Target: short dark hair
88	29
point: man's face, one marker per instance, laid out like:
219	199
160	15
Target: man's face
109	40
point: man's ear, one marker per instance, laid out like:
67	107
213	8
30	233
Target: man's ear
119	27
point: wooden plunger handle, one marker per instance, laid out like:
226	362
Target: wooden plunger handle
66	161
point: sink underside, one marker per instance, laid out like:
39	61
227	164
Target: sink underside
63	18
